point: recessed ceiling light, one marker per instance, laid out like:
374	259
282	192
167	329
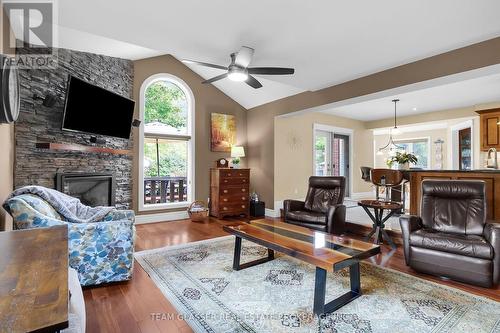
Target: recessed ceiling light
415	109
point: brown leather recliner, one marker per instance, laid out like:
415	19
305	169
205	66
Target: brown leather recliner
451	238
323	209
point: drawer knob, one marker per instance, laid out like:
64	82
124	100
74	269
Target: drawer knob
225	208
243	198
243	190
242	206
225	191
244	180
225	199
225	180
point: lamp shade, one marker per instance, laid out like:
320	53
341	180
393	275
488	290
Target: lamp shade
237	151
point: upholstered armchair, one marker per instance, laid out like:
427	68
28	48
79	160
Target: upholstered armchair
323	209
451	237
99	251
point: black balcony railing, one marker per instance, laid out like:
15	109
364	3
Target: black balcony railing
164	189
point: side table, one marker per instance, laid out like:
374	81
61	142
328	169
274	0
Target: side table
379	219
257	208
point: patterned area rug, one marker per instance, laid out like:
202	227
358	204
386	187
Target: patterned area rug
277	296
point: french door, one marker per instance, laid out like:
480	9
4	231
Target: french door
331	155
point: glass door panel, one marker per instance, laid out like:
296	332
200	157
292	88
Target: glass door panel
322	153
331	155
340	158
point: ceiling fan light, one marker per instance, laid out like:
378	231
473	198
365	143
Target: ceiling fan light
237	76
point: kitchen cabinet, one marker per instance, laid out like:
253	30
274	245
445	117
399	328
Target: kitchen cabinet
489	128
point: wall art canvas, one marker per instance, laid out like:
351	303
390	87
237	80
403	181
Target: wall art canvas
223	132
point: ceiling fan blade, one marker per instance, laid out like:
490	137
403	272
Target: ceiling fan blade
271	70
252	82
244	56
206	64
216	78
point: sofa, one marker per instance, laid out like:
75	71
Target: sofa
451	237
323	207
100	252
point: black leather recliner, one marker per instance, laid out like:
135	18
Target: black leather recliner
323	209
451	237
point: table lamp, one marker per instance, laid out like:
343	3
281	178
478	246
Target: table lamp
236	153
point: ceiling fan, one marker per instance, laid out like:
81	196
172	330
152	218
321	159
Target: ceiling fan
239	71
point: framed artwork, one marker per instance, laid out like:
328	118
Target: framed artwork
223	132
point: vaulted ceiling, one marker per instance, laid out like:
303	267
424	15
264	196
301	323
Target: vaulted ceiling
326	41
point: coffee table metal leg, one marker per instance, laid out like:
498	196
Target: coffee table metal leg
320	307
319	291
237	256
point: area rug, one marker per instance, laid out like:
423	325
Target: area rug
277	296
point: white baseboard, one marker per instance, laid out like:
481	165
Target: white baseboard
272	213
161	217
362	195
276	211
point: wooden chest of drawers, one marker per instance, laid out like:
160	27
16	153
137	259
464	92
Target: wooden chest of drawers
229	192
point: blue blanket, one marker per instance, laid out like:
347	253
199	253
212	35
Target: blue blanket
70	208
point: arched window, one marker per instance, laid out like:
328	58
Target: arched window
166	163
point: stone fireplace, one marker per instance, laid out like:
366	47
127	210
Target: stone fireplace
93	189
42	124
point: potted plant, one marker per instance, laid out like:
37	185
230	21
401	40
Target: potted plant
402	159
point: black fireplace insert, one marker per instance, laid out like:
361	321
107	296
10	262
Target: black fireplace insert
93	189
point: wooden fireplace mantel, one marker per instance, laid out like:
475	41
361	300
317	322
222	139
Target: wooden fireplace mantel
82	148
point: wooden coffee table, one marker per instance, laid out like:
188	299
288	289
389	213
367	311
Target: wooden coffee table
327	252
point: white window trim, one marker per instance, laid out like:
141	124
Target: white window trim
422	138
191	146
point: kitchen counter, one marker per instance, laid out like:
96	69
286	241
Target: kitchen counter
491	177
461	171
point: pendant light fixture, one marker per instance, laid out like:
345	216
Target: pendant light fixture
391	145
395	130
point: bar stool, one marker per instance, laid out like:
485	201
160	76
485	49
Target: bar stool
388	179
365	173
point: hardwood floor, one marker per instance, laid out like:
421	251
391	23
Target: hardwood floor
129	306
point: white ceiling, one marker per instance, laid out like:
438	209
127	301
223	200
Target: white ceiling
326	41
449	96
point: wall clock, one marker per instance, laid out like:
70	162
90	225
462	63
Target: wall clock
9	91
222	163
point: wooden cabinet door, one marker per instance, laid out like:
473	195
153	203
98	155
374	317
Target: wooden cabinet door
490	130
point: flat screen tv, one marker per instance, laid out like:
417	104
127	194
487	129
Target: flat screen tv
95	110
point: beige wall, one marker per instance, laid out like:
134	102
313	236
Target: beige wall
6	34
260	120
6	171
293	152
208	99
